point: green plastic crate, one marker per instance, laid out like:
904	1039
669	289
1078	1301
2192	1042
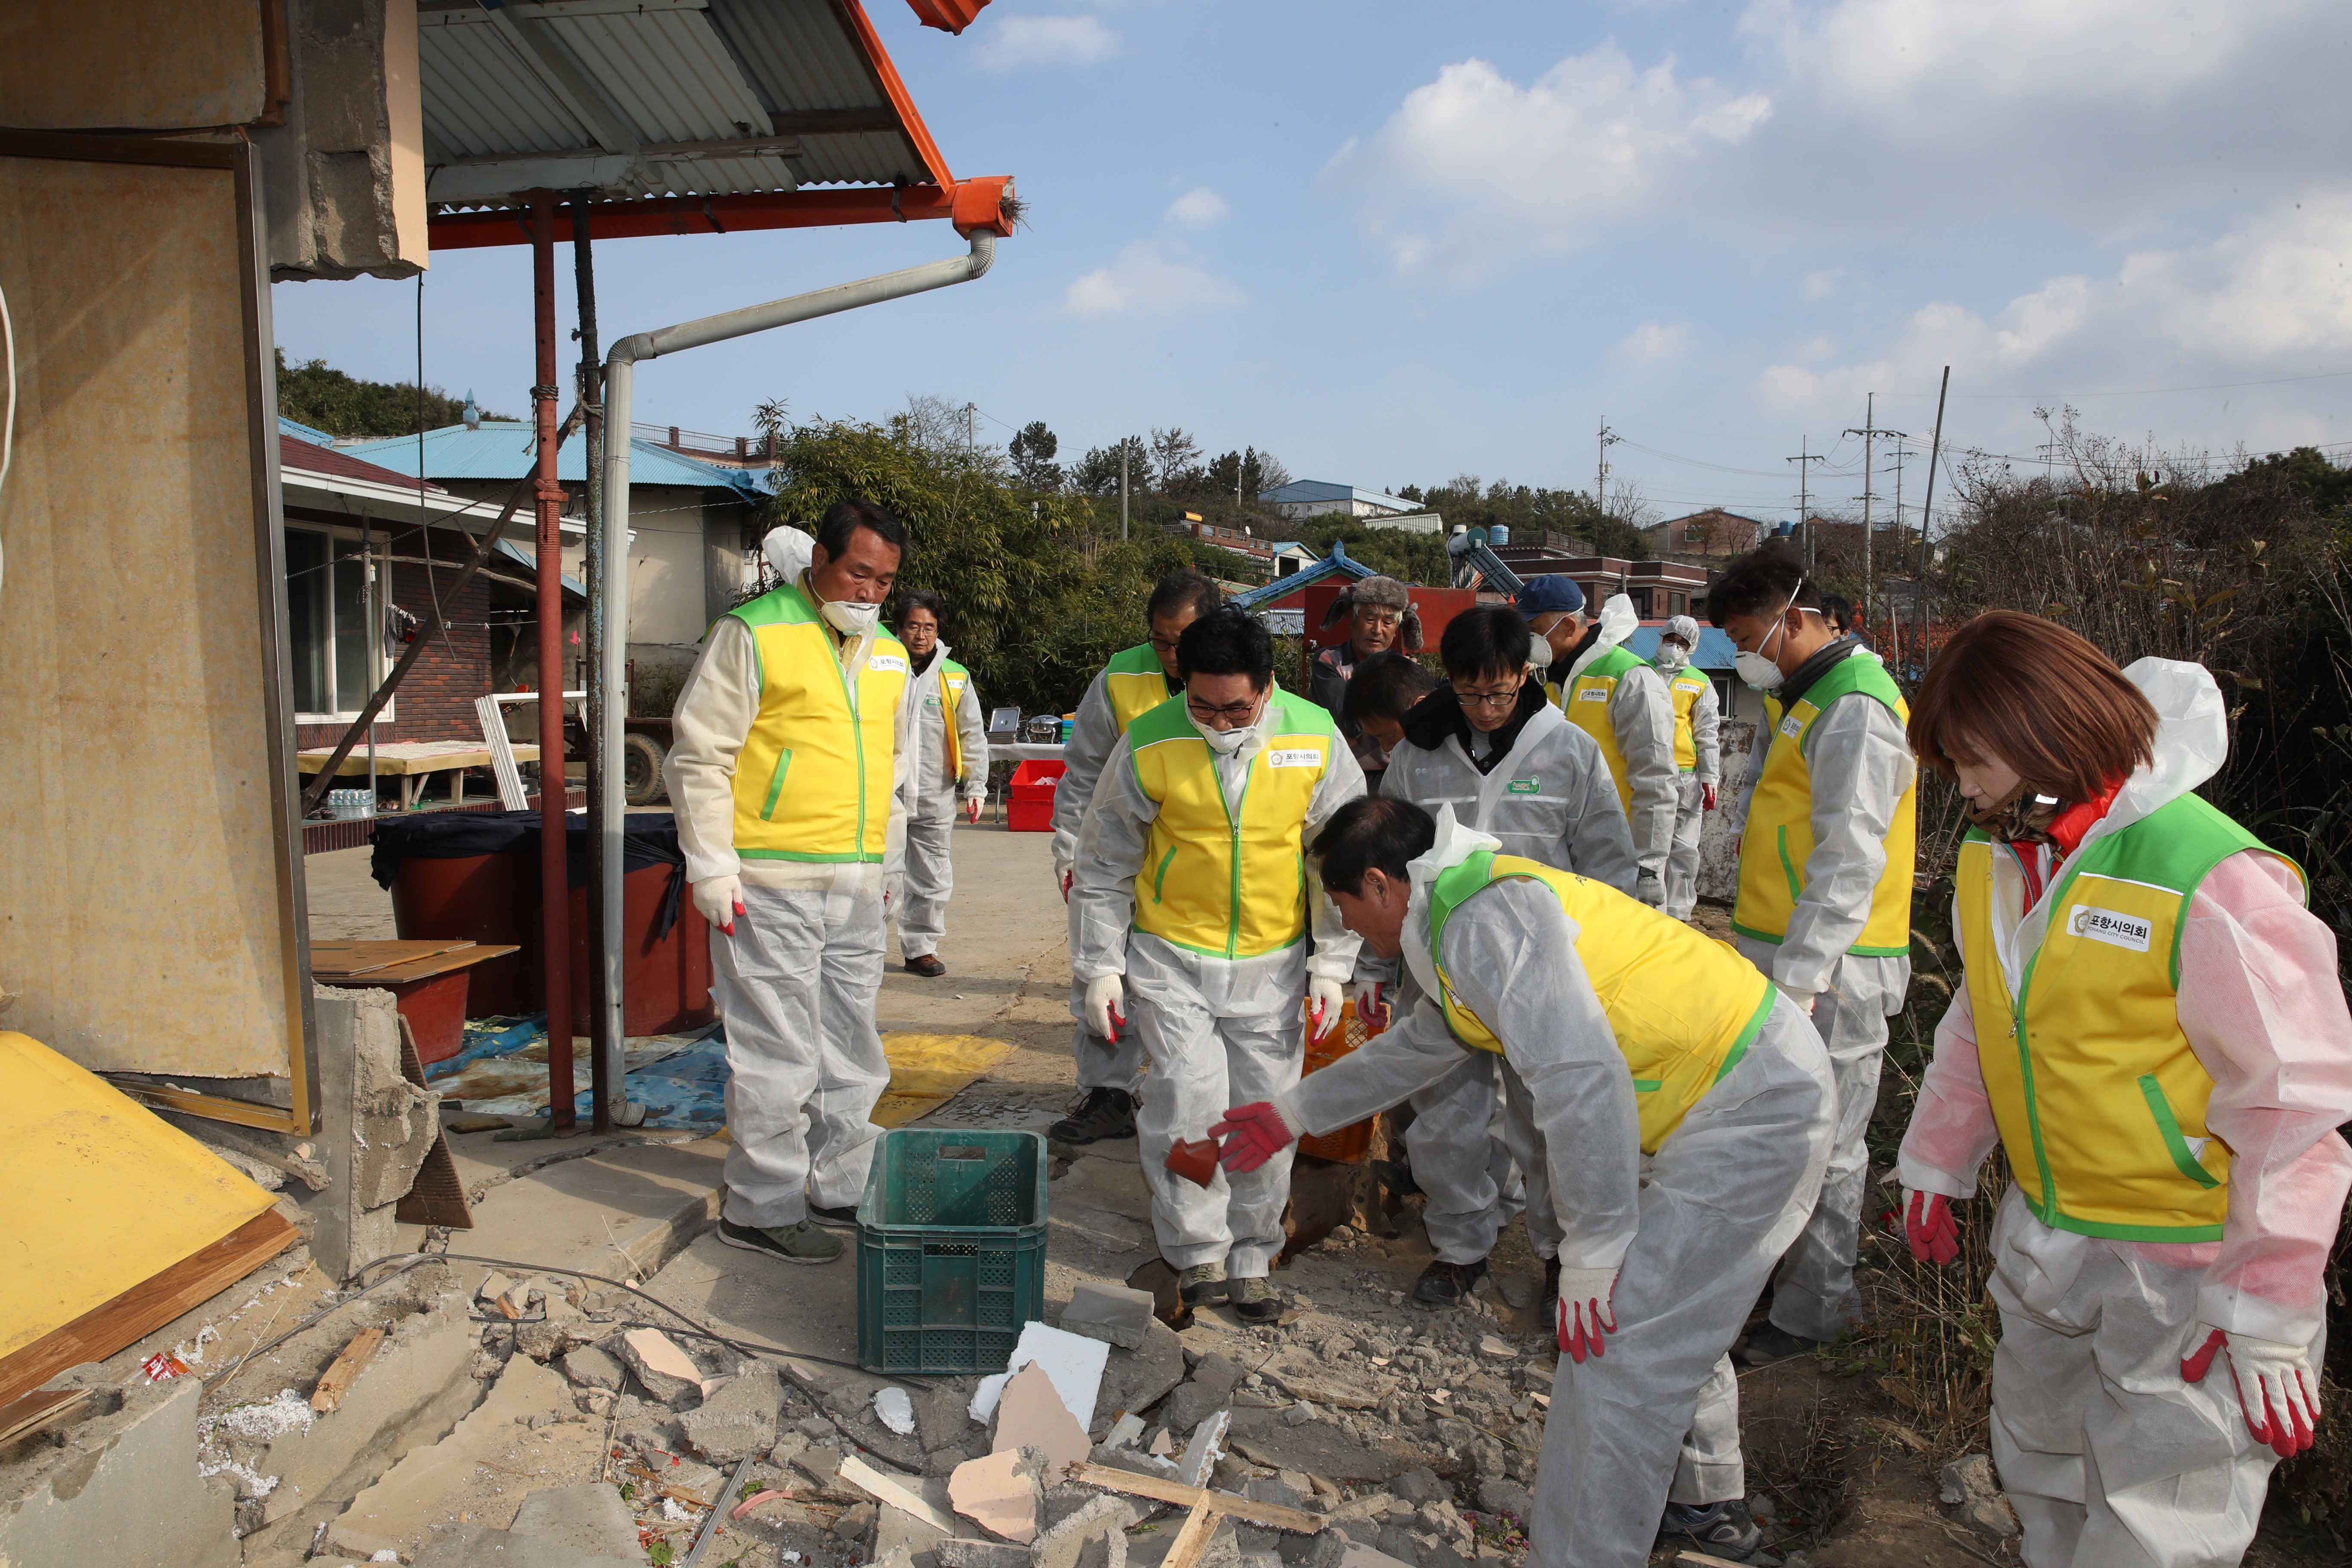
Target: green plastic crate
950	1250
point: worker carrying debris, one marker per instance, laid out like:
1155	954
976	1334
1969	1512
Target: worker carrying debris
1825	905
1683	1107
1135	681
948	739
790	774
1605	691
1189	924
1697	757
2152	1027
1494	750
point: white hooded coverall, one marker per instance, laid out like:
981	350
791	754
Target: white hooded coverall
1693	1230
1101	1063
1691	784
1218	1032
930	826
1861	766
2107	1455
1642	716
1569	819
796	982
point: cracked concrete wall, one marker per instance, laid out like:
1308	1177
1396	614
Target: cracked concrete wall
117	1487
374	1129
344	179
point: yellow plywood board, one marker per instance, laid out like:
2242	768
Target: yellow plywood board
928	1070
103	1193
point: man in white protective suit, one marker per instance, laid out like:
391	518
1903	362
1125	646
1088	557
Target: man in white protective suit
1698	758
1684	1109
789	774
1490	746
950	741
1193	911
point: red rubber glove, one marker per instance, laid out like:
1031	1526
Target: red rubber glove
1586	1310
2277	1392
1707	796
971	809
1372	1009
1928	1226
1254	1134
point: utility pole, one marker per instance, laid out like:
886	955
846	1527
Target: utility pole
970	442
1870	433
1600	481
1123	450
1926	517
1805	459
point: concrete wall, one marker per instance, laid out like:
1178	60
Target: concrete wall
119	1486
343	177
133	65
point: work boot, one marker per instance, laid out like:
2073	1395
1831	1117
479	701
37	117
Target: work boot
1202	1285
1444	1284
1766	1345
1254	1301
1396	1176
928	965
1720	1528
802	1243
1103	1113
841	1218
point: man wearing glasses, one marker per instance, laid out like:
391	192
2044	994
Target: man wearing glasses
1134	682
1492	747
1380	618
1189	922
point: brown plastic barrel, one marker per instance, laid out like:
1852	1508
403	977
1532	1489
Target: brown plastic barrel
665	981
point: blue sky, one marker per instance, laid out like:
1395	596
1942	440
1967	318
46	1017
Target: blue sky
1394	243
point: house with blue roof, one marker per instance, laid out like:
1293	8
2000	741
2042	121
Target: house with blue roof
694	527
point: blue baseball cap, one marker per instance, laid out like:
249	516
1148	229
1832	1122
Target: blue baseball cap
1550	593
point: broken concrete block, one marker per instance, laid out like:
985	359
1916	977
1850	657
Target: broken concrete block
1107	1550
1418	1487
895	1408
1203	1450
855	1521
1191	1404
472	1546
962	1554
941	1419
1138	1379
1062	1544
739	1421
669	1373
390	1515
119	1485
494	1285
1496	1496
1001	1493
1112	1313
589	1519
1968	1483
590	1367
698	1485
1300	1414
544	1341
1217	1371
1032	1416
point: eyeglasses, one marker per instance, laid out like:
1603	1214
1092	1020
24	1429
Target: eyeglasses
1165	645
1234	711
1477	700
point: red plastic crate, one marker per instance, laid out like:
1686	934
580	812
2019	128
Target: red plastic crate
1030	797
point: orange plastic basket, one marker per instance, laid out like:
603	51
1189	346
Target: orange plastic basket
1351	1144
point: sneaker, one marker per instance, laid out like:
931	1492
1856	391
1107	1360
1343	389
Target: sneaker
1444	1284
843	1218
1254	1301
1722	1529
1768	1345
928	966
1103	1113
1202	1285
802	1243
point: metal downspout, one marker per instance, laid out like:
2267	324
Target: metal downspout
620	373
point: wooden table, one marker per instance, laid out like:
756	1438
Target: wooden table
413	763
427	980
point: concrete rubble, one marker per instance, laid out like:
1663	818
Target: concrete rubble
1971	1489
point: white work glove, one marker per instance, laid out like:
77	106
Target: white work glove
1650	888
1804	999
721	899
1585	1310
1103	995
2277	1390
1063	872
1372	1009
1324	1000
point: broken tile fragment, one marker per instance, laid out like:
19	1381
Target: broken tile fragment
1031	1415
999	1493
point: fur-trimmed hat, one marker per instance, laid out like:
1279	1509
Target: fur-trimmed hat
1387	593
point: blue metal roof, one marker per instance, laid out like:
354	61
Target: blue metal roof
1713	654
1337	560
571	585
501	451
1299	491
301	432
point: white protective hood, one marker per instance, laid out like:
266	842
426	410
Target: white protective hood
1455	845
789	551
1618	622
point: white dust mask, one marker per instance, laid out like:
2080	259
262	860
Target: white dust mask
1672	655
851	620
1757	668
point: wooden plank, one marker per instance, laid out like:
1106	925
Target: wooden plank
330	960
1192	1539
337	1379
36	1411
866	1478
148	1305
1268	1515
427	968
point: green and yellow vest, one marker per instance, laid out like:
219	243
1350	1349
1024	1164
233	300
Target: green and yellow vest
813	780
1778	836
1135	683
1686	686
954	681
1585	704
1229	883
1685	1006
2100	1101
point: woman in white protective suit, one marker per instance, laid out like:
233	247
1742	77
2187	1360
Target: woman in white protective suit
2152	1028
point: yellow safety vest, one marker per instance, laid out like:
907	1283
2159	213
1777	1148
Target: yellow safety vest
953	678
1585	704
1135	683
2100	1101
835	749
1685	1008
1228	883
1778	836
1686	687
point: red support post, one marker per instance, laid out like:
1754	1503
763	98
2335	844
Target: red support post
555	896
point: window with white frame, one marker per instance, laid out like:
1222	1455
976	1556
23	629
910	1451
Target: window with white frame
335	619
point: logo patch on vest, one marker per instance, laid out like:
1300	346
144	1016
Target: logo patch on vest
1306	757
2115	930
1593	694
1792	726
888	663
1526	786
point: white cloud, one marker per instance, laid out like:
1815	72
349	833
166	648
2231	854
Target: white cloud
1822	284
1197	208
1144	279
1009	43
1652	342
1473	166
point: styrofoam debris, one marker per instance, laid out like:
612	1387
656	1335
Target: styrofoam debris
1123	1431
1207	1446
673	1512
1074	1361
895	1410
261	1420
